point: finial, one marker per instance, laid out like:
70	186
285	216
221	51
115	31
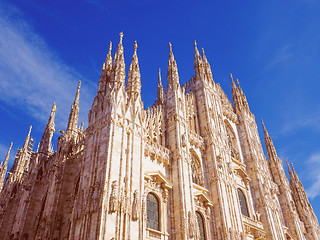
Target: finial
262	122
203	52
76	99
231	76
288	165
195	43
135	47
110	47
121	36
159	78
54	107
29	130
10	146
293	168
170	46
238	83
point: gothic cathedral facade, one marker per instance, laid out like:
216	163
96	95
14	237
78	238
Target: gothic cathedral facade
191	166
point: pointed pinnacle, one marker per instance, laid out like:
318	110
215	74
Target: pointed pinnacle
76	99
288	166
264	128
110	47
10	146
196	51
54	107
238	83
26	142
8	154
293	168
233	84
203	54
29	130
159	79
121	36
135	47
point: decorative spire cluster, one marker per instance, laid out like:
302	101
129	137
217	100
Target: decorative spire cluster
271	150
22	159
172	72
198	66
134	77
118	63
74	113
239	99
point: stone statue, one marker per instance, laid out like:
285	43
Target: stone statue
113	206
135	206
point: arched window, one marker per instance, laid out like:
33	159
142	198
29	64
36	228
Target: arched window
153	212
197	175
243	203
202	235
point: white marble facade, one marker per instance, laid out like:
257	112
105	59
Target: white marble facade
191	166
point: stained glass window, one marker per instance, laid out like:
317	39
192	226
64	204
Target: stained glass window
153	212
202	235
243	203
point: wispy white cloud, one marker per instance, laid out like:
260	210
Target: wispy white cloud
32	76
299	123
281	56
313	168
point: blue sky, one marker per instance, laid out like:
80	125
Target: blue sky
271	46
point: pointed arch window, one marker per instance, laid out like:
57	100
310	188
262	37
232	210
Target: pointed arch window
153	215
243	203
202	235
197	174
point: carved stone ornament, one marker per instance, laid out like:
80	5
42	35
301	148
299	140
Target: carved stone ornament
113	204
157	182
258	215
135	206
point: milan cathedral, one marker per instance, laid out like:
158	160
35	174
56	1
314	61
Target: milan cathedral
191	166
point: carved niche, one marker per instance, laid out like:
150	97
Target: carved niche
196	170
232	142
